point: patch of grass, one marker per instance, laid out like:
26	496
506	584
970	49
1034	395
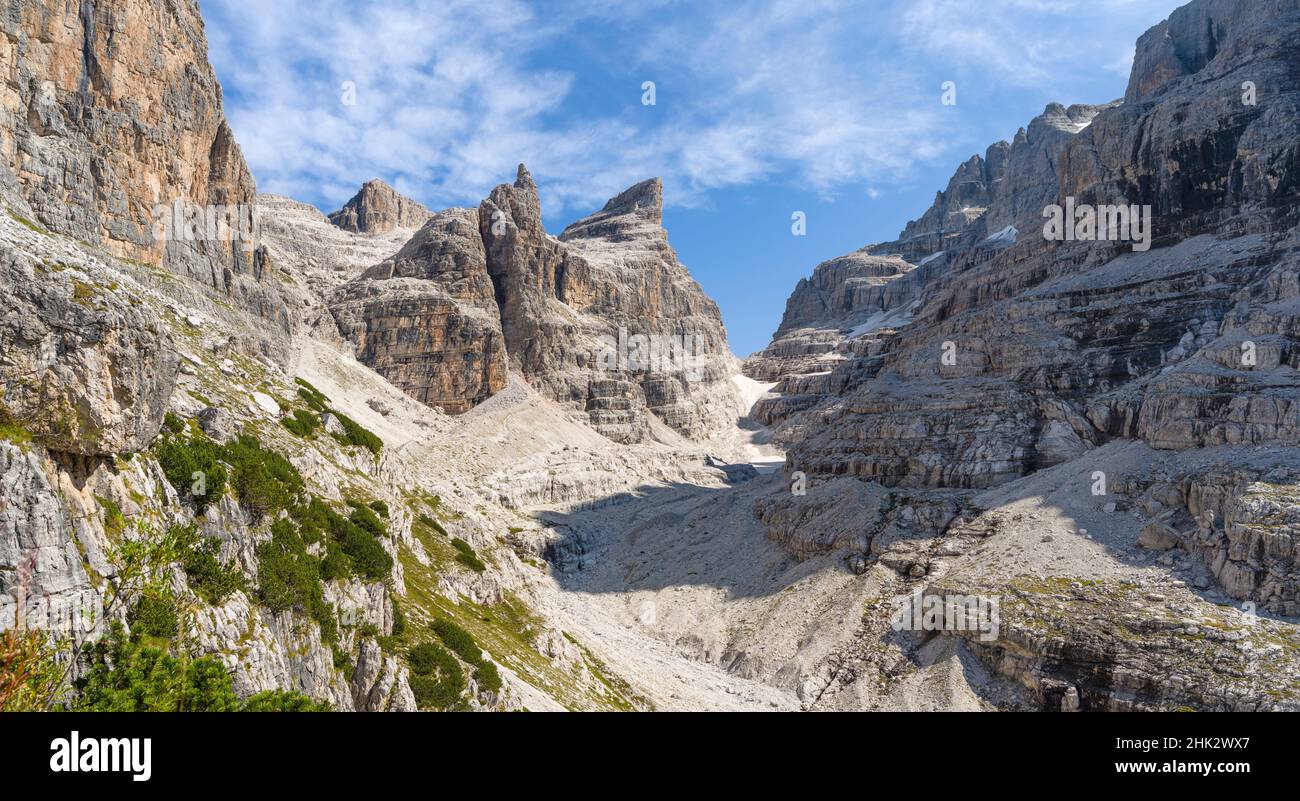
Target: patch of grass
114	520
12	431
23	221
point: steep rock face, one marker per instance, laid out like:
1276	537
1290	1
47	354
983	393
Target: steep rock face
969	194
43	581
427	318
82	368
85	367
1025	353
1089	335
635	285
846	298
602	318
323	255
377	208
535	278
111	122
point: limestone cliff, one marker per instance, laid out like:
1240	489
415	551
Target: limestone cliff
475	292
112	127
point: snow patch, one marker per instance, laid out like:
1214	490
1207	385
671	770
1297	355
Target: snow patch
1007	235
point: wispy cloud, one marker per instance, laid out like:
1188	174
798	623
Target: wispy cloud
1031	42
451	94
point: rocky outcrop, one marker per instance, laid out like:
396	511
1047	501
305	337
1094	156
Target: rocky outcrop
602	318
427	319
1128	646
44	581
84	369
377	208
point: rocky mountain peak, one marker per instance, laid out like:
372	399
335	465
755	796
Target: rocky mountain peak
378	208
524	178
637	211
515	203
645	199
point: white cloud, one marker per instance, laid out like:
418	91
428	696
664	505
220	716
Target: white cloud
451	94
1032	42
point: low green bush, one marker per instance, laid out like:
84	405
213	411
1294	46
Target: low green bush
356	434
154	615
302	423
193	467
282	701
488	677
462	643
213	581
311	396
264	481
436	680
124	675
433	524
466	556
365	517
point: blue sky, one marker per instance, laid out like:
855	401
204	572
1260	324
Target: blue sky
762	109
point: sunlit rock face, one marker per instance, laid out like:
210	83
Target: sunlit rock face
603	317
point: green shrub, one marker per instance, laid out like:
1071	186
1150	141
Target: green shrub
282	701
287	576
173	423
356	434
488	677
264	481
154	615
433	524
303	423
335	564
466	556
381	507
365	517
399	620
114	520
462	643
311	396
437	680
423	658
369	558
213	581
125	676
441	694
458	640
193	467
